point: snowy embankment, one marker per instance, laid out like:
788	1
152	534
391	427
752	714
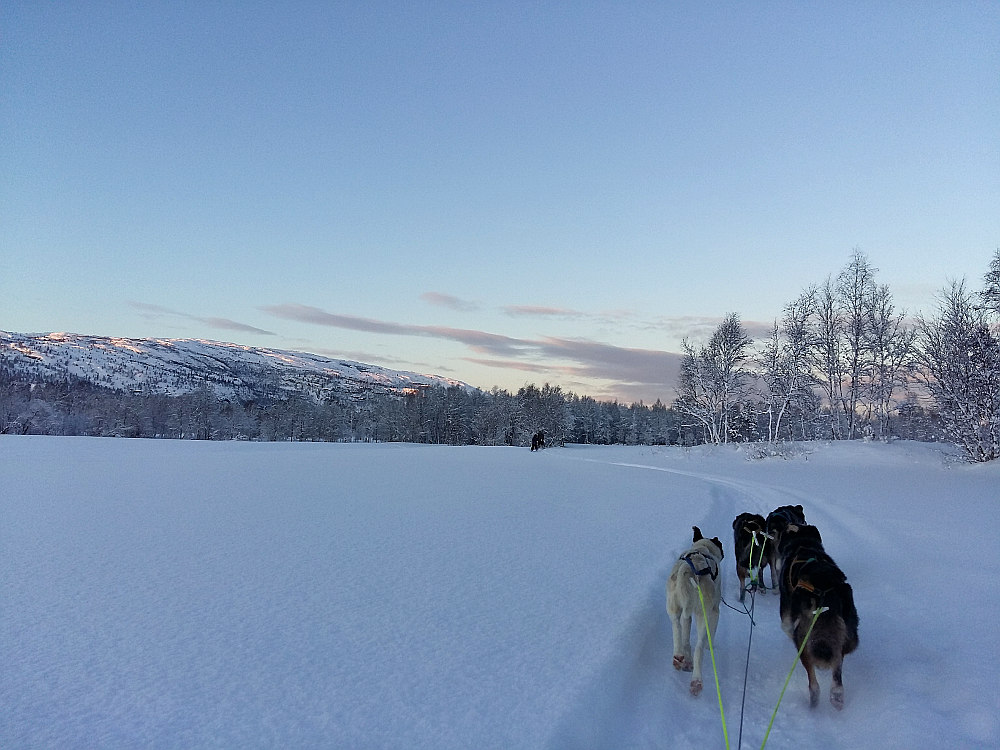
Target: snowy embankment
183	594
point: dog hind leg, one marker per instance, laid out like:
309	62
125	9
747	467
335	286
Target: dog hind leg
807	662
837	688
699	650
699	653
682	634
682	654
760	577
685	646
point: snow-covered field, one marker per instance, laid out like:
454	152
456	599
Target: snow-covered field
185	595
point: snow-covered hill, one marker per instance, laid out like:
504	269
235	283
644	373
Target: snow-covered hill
176	366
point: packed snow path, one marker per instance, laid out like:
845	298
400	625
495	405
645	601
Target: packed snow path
157	593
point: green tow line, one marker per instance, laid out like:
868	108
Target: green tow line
711	650
816	614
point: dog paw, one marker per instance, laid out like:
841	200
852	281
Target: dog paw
837	698
814	698
696	687
683	663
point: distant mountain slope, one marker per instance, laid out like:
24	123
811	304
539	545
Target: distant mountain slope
176	366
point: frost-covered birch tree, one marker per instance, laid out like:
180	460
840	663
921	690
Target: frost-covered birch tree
826	356
862	350
855	288
786	366
960	355
713	384
991	290
891	356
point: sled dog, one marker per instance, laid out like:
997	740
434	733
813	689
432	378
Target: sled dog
809	581
751	550
777	520
698	568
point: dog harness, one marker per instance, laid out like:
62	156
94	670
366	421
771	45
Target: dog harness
708	569
794	571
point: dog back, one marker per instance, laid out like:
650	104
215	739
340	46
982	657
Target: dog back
779	518
810	579
744	543
700	564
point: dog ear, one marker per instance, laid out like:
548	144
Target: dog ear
718	543
697	534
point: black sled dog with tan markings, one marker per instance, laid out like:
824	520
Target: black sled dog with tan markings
751	550
696	570
811	582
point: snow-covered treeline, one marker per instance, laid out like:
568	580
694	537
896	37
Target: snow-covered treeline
442	415
453	416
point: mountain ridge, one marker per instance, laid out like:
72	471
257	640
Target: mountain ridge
175	366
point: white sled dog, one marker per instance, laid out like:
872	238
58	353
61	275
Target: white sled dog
697	568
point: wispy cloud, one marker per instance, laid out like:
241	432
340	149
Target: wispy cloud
446	300
636	369
479	341
701	328
609	362
539	311
220	323
383	360
510	364
696	328
151	310
232	325
597	368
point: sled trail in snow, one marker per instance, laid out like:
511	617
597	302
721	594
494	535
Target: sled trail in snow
650	706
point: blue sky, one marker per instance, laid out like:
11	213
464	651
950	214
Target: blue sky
496	192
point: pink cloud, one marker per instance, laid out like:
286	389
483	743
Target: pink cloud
446	300
628	370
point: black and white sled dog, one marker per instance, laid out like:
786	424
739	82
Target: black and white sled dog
809	581
697	569
777	521
751	550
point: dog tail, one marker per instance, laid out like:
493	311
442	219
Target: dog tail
850	614
831	638
822	650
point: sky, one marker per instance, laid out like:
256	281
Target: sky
501	193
